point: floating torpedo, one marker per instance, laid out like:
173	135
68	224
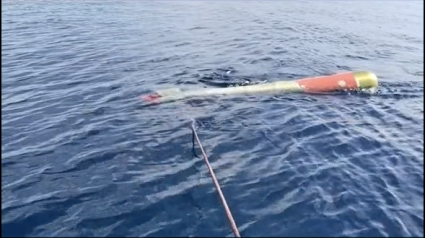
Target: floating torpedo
330	83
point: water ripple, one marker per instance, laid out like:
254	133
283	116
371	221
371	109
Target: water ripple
82	157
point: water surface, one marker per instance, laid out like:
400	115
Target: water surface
81	156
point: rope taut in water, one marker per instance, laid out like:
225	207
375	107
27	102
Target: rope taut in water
216	184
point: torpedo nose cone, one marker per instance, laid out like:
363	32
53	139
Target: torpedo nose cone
366	79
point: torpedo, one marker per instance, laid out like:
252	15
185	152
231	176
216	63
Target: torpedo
346	81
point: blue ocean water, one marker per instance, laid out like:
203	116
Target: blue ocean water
81	155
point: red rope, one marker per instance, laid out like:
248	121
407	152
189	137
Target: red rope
217	186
